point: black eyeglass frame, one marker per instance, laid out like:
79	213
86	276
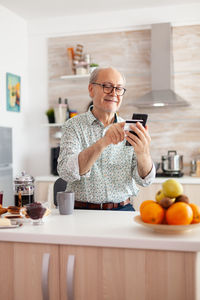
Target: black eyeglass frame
112	87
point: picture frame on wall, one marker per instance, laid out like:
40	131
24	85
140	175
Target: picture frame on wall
13	92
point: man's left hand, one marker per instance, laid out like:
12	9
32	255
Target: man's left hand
141	145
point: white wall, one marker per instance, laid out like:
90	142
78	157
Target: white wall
13	59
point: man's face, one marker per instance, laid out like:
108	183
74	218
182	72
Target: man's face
102	101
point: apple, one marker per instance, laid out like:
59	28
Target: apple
159	196
172	188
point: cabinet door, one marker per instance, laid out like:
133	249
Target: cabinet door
193	192
87	273
149	192
116	274
27	271
146	193
6	270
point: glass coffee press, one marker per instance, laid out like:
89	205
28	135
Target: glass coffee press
24	189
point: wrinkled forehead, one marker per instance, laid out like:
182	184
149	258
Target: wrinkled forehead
110	76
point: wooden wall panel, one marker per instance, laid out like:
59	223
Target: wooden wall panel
130	53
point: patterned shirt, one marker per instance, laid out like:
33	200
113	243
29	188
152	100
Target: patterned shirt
113	176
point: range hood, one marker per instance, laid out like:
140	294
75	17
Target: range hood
162	94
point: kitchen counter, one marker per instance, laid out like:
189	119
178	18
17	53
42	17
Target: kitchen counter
184	180
101	228
115	258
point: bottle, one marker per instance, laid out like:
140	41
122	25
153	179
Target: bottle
198	164
67	107
60	112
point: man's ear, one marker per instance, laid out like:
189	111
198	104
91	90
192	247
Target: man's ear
90	89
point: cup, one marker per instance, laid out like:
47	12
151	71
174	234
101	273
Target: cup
1	197
65	202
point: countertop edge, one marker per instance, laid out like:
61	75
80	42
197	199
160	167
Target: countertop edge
184	180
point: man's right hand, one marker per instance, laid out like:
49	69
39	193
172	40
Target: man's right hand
115	134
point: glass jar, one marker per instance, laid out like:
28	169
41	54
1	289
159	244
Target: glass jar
24	189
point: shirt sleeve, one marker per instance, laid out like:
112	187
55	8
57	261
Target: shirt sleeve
149	179
68	166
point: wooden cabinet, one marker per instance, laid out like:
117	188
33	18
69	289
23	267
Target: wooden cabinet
87	272
98	273
21	271
148	193
116	274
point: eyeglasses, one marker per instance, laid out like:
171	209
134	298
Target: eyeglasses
108	89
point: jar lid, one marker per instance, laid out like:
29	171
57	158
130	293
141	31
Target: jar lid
24	178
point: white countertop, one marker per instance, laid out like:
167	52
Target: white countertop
183	180
101	228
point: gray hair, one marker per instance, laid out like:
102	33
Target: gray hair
95	73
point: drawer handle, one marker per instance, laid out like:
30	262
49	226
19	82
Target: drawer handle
70	277
45	276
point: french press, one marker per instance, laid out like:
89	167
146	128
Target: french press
24	189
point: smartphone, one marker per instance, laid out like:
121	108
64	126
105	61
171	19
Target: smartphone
142	118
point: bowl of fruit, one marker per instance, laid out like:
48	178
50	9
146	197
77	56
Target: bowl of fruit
170	211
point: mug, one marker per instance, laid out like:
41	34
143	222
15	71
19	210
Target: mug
65	201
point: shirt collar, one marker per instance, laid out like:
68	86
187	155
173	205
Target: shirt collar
93	119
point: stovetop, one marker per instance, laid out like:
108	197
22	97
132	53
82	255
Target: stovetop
169	174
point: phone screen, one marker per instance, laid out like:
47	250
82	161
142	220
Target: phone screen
142	118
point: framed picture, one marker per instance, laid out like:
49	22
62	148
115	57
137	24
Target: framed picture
13	86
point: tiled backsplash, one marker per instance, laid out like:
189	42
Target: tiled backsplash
170	129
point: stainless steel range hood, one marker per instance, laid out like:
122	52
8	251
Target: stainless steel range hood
162	93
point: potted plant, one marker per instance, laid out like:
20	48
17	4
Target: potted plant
93	66
50	115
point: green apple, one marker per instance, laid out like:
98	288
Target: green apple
172	188
159	196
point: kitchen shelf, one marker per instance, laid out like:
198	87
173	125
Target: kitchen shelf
74	76
176	120
53	125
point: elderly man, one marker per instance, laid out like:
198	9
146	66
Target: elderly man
94	158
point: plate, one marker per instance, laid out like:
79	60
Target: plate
14	224
163	228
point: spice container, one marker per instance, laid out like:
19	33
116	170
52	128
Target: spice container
198	167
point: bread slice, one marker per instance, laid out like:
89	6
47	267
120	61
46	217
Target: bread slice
4	222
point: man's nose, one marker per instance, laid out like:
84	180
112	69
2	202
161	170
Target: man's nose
113	91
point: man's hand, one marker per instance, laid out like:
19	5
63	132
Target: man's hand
141	145
142	142
115	134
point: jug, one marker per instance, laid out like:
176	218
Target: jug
24	189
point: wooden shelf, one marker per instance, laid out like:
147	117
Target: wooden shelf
74	76
53	125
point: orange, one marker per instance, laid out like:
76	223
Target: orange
179	213
152	213
144	203
196	213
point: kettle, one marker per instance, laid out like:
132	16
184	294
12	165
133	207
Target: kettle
23	189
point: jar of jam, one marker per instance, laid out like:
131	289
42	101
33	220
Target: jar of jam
24	189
